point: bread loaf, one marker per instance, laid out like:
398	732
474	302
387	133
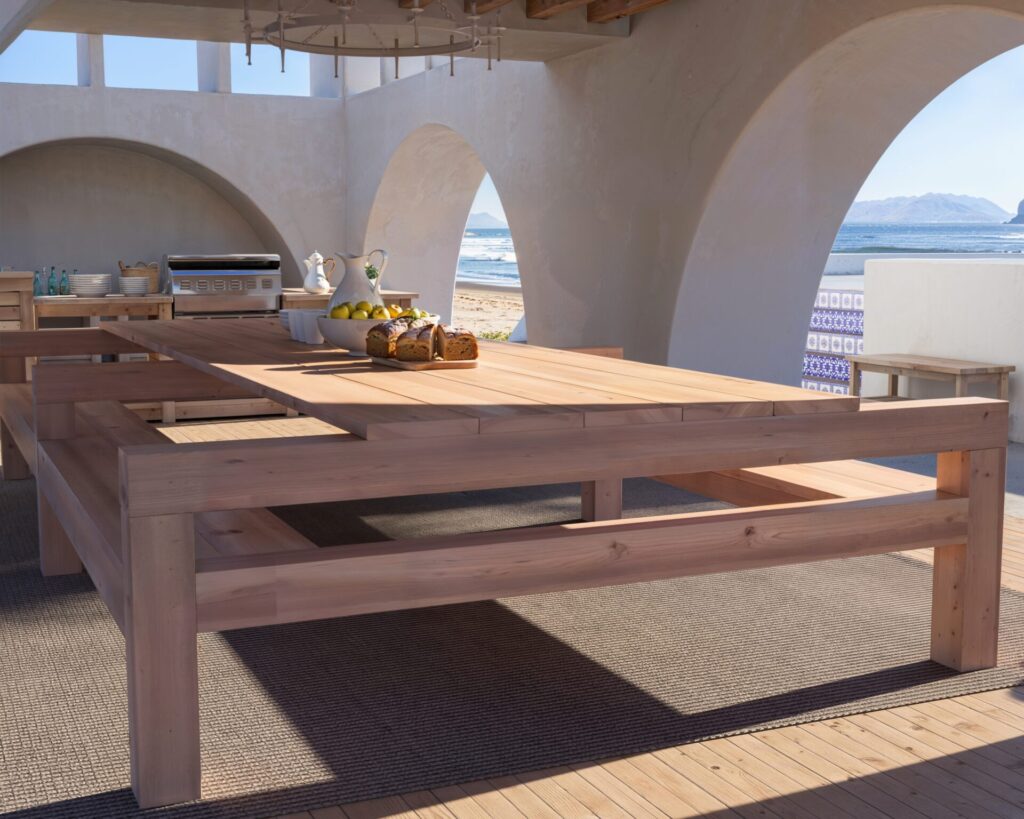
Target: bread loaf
416	344
456	344
382	339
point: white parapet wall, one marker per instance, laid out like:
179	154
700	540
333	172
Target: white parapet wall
958	308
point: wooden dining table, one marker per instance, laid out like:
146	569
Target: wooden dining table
526	415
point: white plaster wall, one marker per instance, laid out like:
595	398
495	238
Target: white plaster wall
86	206
675	192
967	309
278	161
678	192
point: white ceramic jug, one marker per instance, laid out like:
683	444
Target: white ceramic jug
358	283
317	273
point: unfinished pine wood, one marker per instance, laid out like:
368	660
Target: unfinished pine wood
965	594
163	675
130	381
152	306
345	580
204	477
794	482
56	553
786	400
74	341
354	396
601	500
604	11
71	482
543	9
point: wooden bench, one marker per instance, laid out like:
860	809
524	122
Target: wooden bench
793	483
960	373
79	473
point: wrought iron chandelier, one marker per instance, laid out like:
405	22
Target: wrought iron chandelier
351	31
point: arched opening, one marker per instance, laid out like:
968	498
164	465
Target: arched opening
420	214
85	203
777	202
488	292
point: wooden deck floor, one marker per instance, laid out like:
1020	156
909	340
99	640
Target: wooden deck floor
961	757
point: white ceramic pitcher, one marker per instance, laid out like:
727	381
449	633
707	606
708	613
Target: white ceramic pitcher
317	273
354	285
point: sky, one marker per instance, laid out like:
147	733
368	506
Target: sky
967	141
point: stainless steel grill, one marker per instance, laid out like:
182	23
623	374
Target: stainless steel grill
245	284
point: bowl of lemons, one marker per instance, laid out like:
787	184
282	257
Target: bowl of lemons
346	325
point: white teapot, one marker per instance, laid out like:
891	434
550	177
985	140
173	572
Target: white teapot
317	277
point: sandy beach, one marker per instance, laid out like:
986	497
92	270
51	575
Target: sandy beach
487	309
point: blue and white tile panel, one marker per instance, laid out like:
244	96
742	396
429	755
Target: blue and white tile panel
836	331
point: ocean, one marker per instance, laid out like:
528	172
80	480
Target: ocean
488	257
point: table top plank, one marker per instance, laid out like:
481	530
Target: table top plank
786	400
512	389
928	363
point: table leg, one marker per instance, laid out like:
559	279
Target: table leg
57	555
894	385
1004	386
966	577
14	465
961	386
601	500
163	675
854	378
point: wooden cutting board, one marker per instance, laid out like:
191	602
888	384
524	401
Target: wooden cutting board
424	365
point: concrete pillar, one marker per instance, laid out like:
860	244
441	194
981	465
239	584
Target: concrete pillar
90	60
361	74
322	82
387	70
214	67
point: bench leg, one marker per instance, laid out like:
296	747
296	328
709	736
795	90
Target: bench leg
56	553
966	577
163	676
601	500
15	467
854	378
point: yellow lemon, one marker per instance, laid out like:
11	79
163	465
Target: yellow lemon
359	314
342	311
365	306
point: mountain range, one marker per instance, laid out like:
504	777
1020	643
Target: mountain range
484	221
928	208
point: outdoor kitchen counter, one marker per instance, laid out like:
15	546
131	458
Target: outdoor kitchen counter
293	298
525	416
154	307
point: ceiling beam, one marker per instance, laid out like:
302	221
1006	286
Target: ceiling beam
604	11
15	16
543	9
413	4
485	6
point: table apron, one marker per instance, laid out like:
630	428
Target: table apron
179	478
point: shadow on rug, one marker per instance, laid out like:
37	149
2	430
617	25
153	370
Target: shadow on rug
301	716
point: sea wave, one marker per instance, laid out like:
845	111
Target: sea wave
508	257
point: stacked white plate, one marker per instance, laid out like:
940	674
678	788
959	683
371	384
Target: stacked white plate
90	285
134	285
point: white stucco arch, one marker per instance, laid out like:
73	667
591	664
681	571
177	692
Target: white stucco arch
262	227
295	205
776	203
419	212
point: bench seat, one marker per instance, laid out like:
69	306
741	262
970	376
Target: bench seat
791	483
81	474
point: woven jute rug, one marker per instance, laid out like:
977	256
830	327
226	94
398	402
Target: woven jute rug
301	716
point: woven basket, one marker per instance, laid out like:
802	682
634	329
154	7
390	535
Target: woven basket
152	270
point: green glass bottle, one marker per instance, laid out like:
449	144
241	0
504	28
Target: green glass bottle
51	284
65	283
